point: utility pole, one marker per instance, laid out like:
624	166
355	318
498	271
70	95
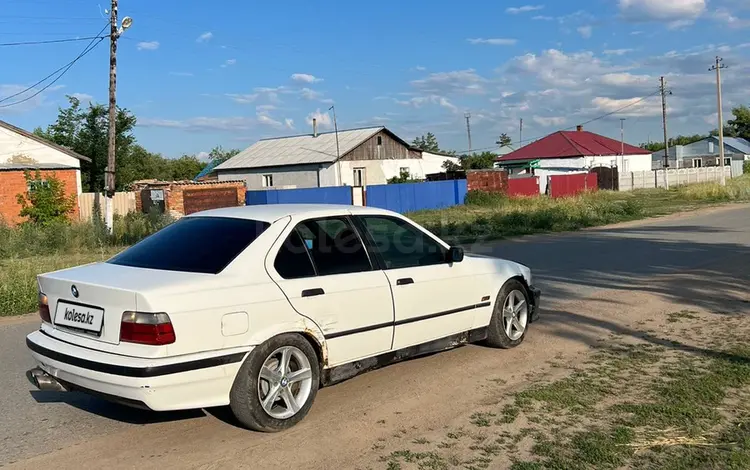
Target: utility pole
622	141
520	134
468	128
109	174
717	67
665	164
338	151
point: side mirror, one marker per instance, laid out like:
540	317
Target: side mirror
456	254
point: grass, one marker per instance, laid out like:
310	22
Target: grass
29	250
489	216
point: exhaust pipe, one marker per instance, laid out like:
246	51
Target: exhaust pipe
44	381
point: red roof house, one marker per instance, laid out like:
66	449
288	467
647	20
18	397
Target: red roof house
572	144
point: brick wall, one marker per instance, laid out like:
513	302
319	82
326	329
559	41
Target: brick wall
174	194
13	183
495	181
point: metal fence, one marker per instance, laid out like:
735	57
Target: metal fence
327	195
122	203
410	197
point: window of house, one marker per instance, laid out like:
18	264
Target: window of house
36	184
401	244
697	163
380	140
359	177
710	147
267	181
334	246
625	165
727	162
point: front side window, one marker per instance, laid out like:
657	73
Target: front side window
334	246
193	244
401	244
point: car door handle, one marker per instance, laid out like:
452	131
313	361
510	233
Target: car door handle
313	292
405	281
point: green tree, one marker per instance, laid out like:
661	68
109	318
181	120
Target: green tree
504	140
679	140
428	143
740	125
185	167
218	155
404	177
478	161
85	131
45	201
449	165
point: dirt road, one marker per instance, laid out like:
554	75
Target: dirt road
618	280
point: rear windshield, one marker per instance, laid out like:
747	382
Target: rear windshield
193	244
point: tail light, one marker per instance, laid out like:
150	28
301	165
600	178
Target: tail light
146	328
44	309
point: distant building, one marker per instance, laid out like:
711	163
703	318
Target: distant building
704	153
368	156
566	152
22	151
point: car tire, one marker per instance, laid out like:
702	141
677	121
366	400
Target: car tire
260	376
498	334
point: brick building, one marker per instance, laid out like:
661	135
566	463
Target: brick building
179	198
22	151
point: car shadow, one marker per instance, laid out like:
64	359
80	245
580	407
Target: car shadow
113	411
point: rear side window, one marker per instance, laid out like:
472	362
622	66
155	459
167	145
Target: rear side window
193	244
293	260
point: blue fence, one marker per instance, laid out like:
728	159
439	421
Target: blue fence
417	196
328	195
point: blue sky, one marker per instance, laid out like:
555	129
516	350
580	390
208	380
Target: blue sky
201	74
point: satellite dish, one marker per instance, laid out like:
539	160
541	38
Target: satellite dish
127	22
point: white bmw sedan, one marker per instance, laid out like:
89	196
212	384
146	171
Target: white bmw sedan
258	307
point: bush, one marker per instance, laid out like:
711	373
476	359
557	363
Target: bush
746	167
45	201
477	197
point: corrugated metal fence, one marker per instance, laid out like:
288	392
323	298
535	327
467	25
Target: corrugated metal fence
122	202
523	186
409	197
328	195
571	185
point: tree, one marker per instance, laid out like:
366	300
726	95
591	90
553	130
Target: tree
185	167
450	166
504	140
45	201
427	143
404	177
740	125
679	140
478	161
218	155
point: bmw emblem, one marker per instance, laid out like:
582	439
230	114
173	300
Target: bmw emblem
74	291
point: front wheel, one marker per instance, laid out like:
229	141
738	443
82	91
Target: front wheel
276	386
510	318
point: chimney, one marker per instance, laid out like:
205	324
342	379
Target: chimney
579	128
315	127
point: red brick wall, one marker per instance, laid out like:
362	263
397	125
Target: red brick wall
173	193
494	181
13	183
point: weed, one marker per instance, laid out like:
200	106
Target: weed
481	419
675	317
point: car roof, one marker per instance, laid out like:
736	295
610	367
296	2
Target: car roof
273	212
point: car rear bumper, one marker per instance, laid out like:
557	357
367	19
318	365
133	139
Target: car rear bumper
187	382
536	295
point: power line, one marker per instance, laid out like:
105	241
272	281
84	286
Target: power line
51	41
629	105
62	70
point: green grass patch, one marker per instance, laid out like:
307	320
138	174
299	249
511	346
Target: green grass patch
577	391
676	317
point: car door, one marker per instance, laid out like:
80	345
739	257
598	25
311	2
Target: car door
433	298
326	273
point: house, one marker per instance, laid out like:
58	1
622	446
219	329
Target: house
20	151
354	157
704	153
566	152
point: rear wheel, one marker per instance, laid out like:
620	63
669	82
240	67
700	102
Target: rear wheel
276	386
510	318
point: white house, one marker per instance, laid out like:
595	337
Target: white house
355	157
579	151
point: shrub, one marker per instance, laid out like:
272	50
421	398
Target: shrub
45	201
746	167
477	197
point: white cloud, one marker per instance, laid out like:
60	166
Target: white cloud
626	79
723	15
493	41
523	9
83	97
205	37
243	99
558	69
309	94
203	123
543	18
229	63
181	74
677	12
585	31
445	83
323	119
637	107
552	121
147	45
305	78
269	121
419	68
265	108
203	156
617	51
289	123
420	101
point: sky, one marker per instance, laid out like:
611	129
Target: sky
200	74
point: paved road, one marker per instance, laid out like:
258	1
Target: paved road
674	258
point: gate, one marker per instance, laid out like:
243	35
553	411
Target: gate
196	200
607	177
571	185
